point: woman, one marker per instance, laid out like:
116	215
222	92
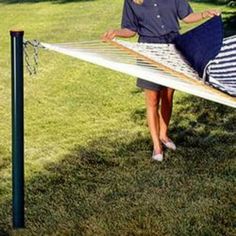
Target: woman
156	21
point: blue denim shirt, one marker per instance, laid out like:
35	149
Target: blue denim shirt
154	17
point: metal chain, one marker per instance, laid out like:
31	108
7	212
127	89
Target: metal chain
31	61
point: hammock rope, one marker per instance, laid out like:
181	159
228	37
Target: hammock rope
158	63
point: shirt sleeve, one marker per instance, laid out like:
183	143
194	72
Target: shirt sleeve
183	8
129	20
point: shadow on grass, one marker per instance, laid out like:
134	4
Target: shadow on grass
230	23
37	1
208	128
3	233
211	115
111	185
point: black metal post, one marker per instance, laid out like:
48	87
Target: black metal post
17	128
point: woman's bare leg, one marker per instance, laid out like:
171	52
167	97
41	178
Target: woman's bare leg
152	106
166	111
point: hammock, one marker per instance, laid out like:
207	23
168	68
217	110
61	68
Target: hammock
163	63
158	63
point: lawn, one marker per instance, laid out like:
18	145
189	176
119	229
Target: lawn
87	146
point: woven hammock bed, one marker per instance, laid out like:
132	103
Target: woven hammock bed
202	66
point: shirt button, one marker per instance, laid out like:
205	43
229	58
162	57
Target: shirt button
162	26
155	5
158	16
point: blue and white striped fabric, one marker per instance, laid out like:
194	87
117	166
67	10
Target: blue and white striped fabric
221	71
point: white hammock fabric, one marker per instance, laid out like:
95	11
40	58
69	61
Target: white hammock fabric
158	63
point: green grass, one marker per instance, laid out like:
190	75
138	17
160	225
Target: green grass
88	167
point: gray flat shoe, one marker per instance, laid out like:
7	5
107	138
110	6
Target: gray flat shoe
157	157
169	144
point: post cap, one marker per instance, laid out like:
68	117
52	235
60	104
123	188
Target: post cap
16	32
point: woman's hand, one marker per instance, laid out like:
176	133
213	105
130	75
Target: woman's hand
109	35
124	33
198	16
210	13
